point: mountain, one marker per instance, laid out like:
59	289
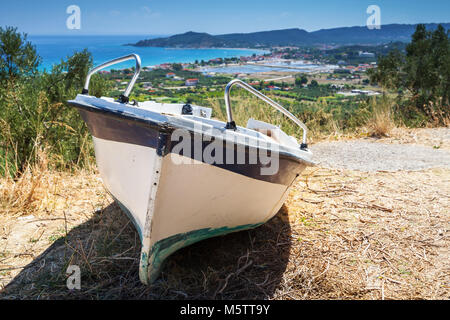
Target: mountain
267	38
363	35
290	37
186	40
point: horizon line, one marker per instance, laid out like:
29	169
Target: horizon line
218	34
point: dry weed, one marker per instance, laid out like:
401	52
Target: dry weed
340	235
382	121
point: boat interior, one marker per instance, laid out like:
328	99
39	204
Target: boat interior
256	128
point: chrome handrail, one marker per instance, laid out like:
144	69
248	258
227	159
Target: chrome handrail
232	125
124	98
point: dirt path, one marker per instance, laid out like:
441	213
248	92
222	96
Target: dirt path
405	149
366	155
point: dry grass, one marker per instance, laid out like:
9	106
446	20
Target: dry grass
340	235
246	106
437	138
382	121
382	235
322	125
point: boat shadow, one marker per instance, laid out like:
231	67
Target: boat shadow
242	265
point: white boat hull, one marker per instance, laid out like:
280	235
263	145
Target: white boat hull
175	200
191	201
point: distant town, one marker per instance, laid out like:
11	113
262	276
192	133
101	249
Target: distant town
342	71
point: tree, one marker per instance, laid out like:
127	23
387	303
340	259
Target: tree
419	68
300	81
440	44
314	83
427	69
18	56
389	73
424	70
77	67
34	115
177	67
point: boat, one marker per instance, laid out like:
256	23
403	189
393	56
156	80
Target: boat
182	176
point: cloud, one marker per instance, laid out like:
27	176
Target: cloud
149	13
114	13
147	10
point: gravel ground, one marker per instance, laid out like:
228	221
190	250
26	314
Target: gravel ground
374	156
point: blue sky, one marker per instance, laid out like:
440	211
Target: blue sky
156	17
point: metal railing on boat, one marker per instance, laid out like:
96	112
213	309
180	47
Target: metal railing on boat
232	125
124	98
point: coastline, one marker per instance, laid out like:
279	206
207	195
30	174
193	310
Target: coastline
53	49
202	48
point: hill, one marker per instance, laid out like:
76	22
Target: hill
290	37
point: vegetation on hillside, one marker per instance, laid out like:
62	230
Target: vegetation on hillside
423	72
34	117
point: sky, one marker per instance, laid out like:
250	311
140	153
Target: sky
156	17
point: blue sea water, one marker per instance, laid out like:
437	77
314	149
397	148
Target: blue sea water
53	49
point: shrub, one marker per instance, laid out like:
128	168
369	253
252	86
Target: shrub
34	116
381	121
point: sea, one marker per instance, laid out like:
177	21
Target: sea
53	49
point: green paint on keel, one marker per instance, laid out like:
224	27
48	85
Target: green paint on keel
165	247
152	262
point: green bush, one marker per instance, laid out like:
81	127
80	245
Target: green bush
34	115
423	72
